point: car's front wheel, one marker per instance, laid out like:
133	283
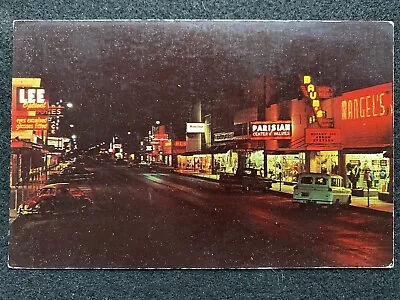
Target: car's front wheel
45	208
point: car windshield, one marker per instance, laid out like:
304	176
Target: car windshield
47	191
320	180
74	170
306	180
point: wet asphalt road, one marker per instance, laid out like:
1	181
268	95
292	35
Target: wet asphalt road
145	220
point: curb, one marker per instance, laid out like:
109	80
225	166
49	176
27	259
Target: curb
195	176
281	193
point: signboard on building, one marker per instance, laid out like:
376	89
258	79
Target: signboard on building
179	143
323	136
366	116
29	123
323	92
223	136
31	99
194	127
271	130
160	137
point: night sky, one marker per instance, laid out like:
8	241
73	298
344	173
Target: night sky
123	76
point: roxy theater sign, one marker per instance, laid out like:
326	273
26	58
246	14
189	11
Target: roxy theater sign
271	130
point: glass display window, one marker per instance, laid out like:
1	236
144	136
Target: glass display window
226	162
324	162
286	166
364	169
255	160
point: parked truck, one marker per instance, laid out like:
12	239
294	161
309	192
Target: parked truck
246	179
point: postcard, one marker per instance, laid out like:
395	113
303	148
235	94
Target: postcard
169	144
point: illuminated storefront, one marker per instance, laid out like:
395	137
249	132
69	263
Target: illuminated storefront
324	162
196	163
373	166
366	119
289	166
226	162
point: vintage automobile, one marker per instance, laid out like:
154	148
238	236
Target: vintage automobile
121	162
55	198
320	188
71	173
247	179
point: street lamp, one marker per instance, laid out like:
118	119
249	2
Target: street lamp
71	125
69	105
73	136
158	122
129	133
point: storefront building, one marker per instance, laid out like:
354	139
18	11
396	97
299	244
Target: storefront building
352	136
28	130
366	119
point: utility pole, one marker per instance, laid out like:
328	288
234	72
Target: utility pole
262	106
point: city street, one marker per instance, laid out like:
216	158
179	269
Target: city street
164	220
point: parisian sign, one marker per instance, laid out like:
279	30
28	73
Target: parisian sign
271	130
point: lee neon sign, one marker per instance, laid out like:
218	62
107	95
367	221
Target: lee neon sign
31	99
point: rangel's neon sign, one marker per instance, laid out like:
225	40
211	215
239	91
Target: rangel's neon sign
364	107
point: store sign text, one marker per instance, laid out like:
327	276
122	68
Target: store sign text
31	99
195	127
179	143
325	136
364	107
271	130
223	136
30	123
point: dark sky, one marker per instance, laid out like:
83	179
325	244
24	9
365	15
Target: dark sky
122	76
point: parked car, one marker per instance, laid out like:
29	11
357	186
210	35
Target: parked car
321	189
148	166
121	162
55	198
246	179
71	173
144	165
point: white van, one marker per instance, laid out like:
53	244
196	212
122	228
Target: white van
321	189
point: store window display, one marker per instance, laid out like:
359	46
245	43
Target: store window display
226	162
368	169
324	162
286	167
255	160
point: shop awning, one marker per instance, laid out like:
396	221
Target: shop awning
222	148
217	148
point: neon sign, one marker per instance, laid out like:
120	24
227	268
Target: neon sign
271	130
31	99
314	97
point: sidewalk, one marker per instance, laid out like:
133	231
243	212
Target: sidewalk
357	202
20	194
